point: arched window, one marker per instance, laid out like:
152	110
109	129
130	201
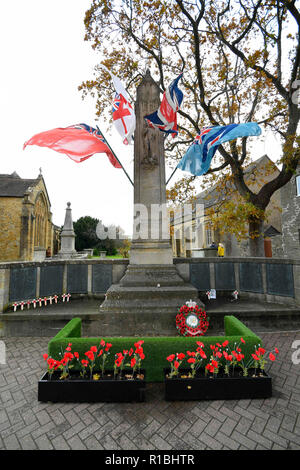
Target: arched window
41	215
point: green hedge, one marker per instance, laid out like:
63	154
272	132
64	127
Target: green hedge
156	349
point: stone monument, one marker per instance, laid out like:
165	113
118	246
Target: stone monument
146	299
67	249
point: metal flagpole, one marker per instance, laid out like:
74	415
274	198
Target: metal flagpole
171	175
116	157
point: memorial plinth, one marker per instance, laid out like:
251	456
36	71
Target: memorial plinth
147	298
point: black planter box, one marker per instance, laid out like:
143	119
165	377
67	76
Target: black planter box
78	390
217	388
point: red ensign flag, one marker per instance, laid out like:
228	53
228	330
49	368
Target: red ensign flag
78	142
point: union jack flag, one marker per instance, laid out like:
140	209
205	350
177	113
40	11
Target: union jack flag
78	142
198	157
165	118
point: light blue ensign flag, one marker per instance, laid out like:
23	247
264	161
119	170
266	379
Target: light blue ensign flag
198	157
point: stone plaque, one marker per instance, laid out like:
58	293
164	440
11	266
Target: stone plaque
22	284
225	278
51	280
280	279
102	277
77	279
200	275
251	277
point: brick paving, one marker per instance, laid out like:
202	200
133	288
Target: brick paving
27	424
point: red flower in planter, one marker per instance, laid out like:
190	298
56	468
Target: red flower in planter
90	355
45	356
94	348
68	356
51	362
261	351
139	350
118	361
202	354
176	364
133	362
210	368
108	346
180	356
260	359
171	357
191	360
191	353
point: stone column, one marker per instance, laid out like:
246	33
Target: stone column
4	288
151	225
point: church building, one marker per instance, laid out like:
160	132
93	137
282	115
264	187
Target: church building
26	229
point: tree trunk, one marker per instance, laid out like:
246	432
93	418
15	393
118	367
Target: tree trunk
256	238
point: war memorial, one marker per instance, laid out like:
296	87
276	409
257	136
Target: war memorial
83	305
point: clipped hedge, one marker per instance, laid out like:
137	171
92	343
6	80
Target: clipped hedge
156	349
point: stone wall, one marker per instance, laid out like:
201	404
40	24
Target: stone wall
10	228
291	218
268	279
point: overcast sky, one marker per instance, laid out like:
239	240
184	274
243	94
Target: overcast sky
43	60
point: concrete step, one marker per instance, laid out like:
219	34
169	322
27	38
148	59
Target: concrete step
47	321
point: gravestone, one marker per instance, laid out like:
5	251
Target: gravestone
146	299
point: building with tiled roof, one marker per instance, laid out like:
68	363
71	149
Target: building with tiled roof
26	229
256	174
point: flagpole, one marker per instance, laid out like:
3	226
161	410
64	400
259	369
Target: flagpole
116	157
171	175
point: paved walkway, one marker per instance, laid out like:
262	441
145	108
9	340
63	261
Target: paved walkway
25	423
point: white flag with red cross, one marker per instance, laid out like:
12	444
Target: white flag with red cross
123	112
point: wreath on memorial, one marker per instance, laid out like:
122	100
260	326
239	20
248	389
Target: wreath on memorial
192	320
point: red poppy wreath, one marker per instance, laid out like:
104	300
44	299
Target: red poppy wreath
191	320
